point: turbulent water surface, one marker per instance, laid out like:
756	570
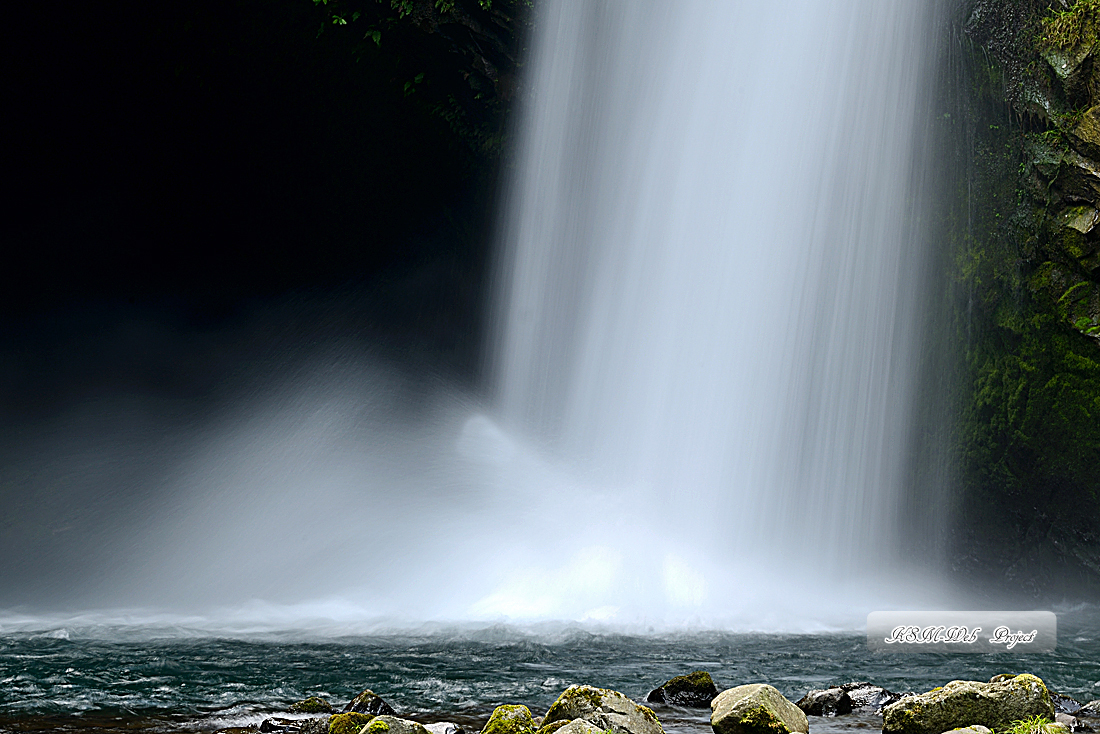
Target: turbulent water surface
172	679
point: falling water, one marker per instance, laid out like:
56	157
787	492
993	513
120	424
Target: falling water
705	360
710	318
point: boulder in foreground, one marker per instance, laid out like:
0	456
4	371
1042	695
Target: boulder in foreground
349	723
369	702
510	719
386	724
966	703
580	726
756	709
603	708
695	690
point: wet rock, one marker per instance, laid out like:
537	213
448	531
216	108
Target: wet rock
1092	708
694	690
1064	704
369	702
965	703
349	723
311	705
315	726
756	708
866	696
605	709
445	727
825	702
510	719
1066	720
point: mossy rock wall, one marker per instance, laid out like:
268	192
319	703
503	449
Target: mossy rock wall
1022	126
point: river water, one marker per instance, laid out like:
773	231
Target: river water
160	677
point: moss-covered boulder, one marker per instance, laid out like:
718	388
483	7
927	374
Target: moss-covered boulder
694	690
606	709
369	702
756	708
553	726
386	724
349	723
311	705
963	703
510	719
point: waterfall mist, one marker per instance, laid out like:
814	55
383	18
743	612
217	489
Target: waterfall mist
703	364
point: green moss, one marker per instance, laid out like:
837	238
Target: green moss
553	726
349	723
377	726
697	683
759	720
575	699
1076	26
311	705
510	719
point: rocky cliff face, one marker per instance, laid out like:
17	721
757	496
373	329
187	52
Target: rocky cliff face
1050	64
1025	233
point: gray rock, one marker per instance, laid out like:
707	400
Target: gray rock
1066	720
866	696
1092	708
314	726
605	709
825	702
369	702
580	726
445	727
965	703
1064	704
694	690
755	709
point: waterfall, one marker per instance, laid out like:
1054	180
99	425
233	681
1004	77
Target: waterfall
709	285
